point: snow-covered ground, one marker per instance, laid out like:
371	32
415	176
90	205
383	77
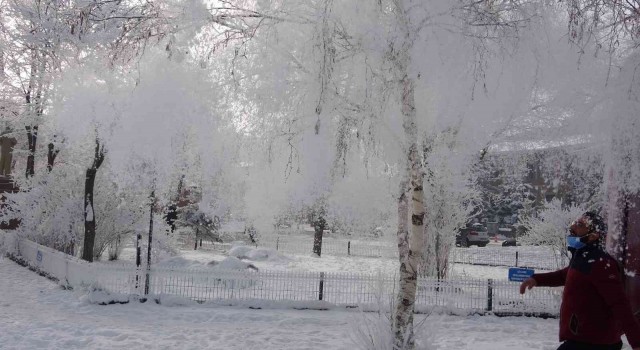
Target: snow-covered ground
35	313
330	263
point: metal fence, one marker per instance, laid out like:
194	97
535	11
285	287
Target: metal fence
333	289
288	288
533	257
331	246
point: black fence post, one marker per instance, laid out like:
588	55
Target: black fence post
489	294
321	288
516	258
138	259
349	248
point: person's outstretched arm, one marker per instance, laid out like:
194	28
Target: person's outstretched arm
549	279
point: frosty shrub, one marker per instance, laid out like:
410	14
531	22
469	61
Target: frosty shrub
549	228
451	199
374	330
50	211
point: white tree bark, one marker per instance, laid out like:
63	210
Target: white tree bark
403	317
403	222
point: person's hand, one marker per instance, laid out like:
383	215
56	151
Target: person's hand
528	284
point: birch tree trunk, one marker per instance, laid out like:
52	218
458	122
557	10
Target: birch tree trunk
403	318
403	222
413	245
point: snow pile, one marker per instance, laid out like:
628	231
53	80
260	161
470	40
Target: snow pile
173	300
255	254
240	252
97	295
228	263
179	262
232	263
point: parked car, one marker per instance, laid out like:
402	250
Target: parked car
510	242
474	234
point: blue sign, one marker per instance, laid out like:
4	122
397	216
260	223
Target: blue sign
517	274
39	256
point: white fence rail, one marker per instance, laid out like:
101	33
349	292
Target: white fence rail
289	288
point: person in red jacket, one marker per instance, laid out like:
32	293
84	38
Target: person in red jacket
595	311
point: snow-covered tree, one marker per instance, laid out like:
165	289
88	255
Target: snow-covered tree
389	88
550	228
452	199
52	211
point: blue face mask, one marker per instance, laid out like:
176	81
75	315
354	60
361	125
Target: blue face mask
574	242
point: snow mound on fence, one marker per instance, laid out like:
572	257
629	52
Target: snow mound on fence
255	254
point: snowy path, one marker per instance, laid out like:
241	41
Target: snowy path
36	314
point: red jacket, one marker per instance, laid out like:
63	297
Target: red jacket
594	306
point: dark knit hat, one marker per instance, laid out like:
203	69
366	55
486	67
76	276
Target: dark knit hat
596	223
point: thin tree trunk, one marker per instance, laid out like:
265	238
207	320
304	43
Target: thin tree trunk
89	213
148	276
32	138
34	100
138	261
318	228
52	153
440	262
319	224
